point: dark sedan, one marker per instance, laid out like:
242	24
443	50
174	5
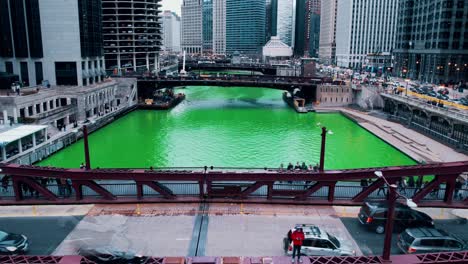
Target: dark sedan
373	215
112	256
13	243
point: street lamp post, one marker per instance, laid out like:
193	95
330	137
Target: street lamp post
406	88
86	147
393	195
322	148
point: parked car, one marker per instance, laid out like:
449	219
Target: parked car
427	240
463	101
426	89
13	243
432	94
442	97
317	242
110	255
373	215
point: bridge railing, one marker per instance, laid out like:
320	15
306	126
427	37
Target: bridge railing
242	184
433	258
446	111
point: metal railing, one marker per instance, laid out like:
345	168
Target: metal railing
343	190
448	112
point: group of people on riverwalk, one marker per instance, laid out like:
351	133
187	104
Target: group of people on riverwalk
299	167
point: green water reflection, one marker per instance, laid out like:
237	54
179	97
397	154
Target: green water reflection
239	127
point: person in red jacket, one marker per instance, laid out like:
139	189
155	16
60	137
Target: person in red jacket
297	239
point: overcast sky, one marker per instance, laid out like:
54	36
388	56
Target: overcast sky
173	5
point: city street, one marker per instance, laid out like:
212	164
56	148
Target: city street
44	233
191	229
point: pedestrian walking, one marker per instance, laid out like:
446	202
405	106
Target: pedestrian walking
60	187
381	189
5	181
297	238
419	184
458	186
411	184
364	184
435	191
68	187
401	186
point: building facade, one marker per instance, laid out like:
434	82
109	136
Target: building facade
286	21
132	34
207	21
363	28
245	26
192	26
327	46
432	41
170	31
56	42
219	26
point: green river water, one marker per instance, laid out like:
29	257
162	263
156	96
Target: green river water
229	127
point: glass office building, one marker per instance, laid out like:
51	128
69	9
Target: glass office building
245	26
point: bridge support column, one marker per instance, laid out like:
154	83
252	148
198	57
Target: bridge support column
270	191
450	188
426	190
331	191
17	188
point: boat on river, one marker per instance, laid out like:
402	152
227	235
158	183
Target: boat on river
158	104
295	102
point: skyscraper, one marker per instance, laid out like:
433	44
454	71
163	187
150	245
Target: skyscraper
171	31
245	26
268	25
286	21
327	47
301	27
192	26
207	22
132	34
365	31
273	14
432	40
219	26
313	30
57	41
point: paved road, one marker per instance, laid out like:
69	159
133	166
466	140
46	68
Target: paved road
44	233
371	243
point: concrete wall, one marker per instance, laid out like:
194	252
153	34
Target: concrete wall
369	97
334	95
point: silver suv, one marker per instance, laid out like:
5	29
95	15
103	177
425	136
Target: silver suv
317	242
427	240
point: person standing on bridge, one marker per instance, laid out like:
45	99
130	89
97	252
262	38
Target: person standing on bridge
297	239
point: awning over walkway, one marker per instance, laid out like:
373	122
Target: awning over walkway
16	133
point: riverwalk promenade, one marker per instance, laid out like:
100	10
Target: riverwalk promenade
416	145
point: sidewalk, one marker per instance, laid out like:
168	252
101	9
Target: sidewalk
150	210
45	210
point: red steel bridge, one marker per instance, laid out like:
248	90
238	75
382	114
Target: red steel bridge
329	187
232	185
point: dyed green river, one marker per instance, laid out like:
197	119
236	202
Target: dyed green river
229	127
